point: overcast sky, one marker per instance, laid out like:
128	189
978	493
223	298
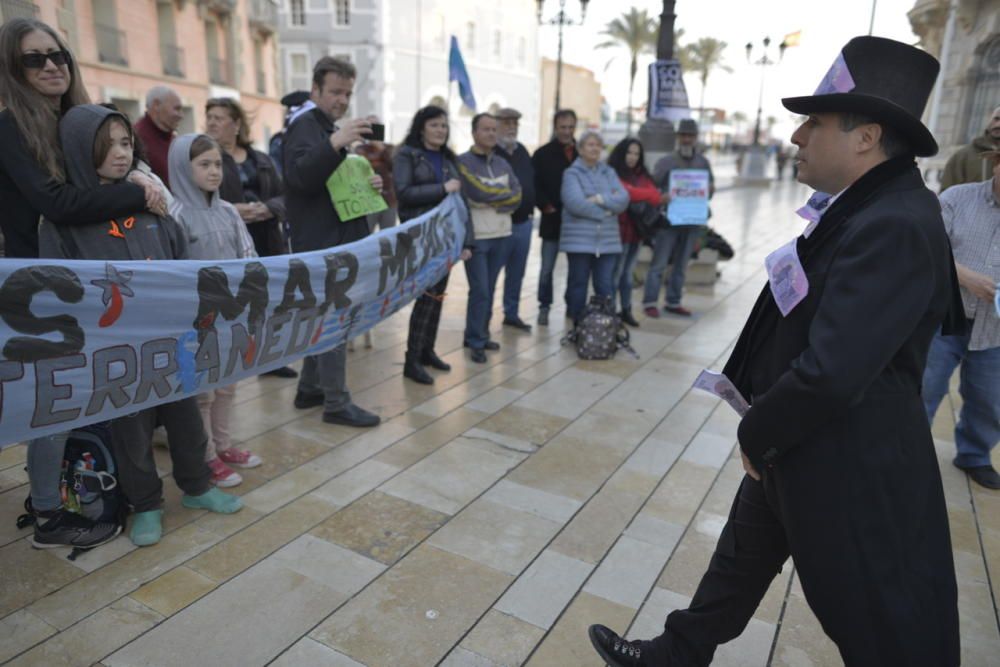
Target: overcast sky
825	26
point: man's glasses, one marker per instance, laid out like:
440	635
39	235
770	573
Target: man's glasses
37	60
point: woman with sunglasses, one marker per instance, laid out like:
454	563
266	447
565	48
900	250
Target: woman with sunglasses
39	82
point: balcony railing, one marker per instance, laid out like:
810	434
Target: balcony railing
219	72
173	59
261	83
263	16
111	45
17	9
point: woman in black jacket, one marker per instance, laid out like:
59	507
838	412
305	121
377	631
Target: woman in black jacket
424	172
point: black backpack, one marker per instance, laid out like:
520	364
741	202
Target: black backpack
88	484
600	333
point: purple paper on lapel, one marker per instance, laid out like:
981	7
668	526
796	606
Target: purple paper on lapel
813	210
837	80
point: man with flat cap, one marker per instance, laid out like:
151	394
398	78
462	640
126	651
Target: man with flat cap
841	470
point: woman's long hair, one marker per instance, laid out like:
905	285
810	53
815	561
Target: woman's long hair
36	119
617	160
236	113
414	137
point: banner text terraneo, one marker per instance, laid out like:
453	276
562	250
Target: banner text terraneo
86	341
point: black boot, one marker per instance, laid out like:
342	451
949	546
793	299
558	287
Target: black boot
430	358
413	370
627	318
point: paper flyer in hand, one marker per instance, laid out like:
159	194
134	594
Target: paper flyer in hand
350	190
786	277
719	385
688	197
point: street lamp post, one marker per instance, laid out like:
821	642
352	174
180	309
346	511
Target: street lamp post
657	134
561	19
763	62
755	164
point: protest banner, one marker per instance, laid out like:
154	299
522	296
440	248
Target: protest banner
350	190
688	197
667	95
86	341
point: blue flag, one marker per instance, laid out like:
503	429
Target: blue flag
457	72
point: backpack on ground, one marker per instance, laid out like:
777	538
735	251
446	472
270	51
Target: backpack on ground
88	484
600	333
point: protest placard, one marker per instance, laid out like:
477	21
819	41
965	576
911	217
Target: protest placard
688	197
351	191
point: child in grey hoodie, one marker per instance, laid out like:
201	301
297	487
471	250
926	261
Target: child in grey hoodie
99	147
215	230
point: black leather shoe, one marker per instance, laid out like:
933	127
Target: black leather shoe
490	345
430	358
615	651
627	318
984	476
415	371
305	401
543	317
283	372
479	356
517	323
352	415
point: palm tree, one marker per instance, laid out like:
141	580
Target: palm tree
701	58
637	31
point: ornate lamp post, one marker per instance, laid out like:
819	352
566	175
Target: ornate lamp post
561	19
763	62
657	133
755	166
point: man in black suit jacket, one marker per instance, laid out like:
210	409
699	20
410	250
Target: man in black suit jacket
841	470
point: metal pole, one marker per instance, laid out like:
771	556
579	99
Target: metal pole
420	51
871	24
760	101
562	16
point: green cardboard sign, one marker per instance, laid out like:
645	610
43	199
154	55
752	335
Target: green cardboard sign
350	190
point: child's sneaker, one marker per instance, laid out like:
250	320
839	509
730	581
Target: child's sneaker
213	500
222	475
240	458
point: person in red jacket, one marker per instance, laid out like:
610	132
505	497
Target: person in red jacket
629	161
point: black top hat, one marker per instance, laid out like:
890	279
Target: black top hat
887	80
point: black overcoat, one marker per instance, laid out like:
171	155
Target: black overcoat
837	424
550	162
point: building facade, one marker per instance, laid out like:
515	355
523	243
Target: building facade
968	88
400	48
200	48
579	91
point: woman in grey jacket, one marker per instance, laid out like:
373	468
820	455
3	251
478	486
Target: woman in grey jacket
592	198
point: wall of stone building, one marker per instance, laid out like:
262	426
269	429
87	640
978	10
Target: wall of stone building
579	91
400	48
126	83
977	27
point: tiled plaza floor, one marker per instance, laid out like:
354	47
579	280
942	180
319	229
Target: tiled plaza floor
488	521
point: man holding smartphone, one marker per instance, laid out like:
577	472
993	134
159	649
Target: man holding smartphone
314	147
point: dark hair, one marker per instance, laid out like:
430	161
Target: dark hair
563	113
892	143
36	120
478	117
617	160
202	144
236	113
414	137
102	139
345	69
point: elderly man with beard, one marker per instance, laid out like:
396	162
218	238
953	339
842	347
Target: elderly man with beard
520	239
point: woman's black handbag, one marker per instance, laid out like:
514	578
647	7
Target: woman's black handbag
648	219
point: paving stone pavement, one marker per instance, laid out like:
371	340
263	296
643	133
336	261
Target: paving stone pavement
488	521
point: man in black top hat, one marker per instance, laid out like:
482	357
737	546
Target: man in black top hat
841	470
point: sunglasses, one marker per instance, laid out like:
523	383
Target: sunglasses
37	60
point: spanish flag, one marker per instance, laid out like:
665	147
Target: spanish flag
793	38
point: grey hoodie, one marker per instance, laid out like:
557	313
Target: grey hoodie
214	228
141	235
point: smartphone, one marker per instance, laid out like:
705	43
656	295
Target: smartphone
377	133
